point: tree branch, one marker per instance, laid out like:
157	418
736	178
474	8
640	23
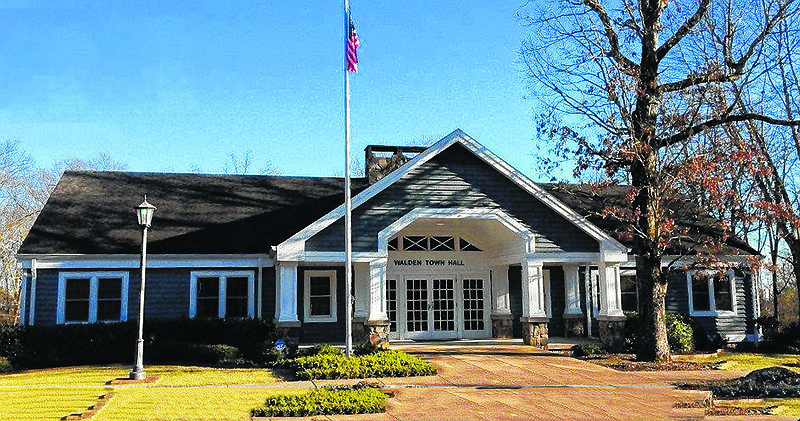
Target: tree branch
628	67
683	30
715	122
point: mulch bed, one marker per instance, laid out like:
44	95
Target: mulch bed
627	362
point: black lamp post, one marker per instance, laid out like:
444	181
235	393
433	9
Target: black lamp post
144	213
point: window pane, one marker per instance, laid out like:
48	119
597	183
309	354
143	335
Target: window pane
208	287
109	288
722	293
442	243
76	303
76	311
77	288
108	310
628	290
236	287
109	304
320	286
320	306
236	297
415	243
208	307
700	297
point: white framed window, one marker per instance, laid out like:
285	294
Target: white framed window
711	292
88	297
629	293
222	294
319	296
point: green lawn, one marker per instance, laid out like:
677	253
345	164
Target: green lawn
180	393
746	362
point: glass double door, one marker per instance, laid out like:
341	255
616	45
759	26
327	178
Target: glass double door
443	307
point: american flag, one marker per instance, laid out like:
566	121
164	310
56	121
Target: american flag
352	46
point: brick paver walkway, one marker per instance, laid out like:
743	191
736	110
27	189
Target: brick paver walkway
513	382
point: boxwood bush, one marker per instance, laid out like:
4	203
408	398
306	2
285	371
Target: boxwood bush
330	364
106	343
325	401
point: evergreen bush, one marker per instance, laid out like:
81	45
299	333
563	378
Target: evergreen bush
325	401
680	334
106	343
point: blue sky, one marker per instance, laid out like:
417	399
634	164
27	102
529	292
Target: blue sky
173	85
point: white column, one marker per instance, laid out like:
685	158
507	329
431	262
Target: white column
532	290
501	298
610	296
377	290
362	290
572	291
286	292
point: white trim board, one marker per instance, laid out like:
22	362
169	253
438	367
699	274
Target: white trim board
154	261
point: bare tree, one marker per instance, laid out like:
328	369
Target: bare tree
642	90
24	189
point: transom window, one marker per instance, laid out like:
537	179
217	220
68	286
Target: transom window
226	294
320	296
430	243
711	292
88	297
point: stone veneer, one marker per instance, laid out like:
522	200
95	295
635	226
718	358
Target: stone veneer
502	326
534	332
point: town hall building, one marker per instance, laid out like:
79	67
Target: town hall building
449	242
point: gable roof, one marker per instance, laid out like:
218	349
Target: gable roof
697	226
290	248
92	212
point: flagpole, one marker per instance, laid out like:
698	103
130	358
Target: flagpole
348	213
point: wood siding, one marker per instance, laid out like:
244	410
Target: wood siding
454	179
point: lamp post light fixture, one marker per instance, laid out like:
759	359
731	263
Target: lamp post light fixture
144	213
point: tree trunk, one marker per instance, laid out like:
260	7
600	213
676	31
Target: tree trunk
652	344
794	248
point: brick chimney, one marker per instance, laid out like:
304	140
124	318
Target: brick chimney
381	160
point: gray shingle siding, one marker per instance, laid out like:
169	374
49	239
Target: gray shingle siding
166	296
741	323
454	179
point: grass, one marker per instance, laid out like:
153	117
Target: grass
180	393
746	362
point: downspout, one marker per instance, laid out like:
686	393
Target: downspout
34	274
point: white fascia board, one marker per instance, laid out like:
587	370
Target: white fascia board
690	260
155	261
338	257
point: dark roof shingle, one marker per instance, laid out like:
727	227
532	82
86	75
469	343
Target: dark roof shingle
92	212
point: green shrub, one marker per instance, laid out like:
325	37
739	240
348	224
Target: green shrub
175	352
679	334
587	350
390	363
106	343
325	401
5	366
319	349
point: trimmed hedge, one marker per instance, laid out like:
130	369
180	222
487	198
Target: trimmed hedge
106	343
325	401
335	365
